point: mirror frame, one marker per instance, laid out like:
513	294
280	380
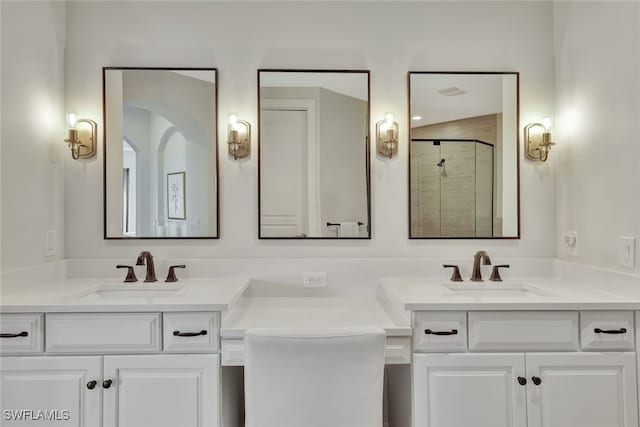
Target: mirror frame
367	150
518	236
104	153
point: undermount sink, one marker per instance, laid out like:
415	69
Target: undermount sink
495	289
136	291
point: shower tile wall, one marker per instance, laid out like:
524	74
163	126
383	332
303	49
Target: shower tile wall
448	207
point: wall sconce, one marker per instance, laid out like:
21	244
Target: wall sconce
238	137
538	144
81	137
387	136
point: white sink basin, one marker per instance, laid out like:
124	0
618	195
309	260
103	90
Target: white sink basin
133	291
495	290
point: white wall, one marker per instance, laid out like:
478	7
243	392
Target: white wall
32	127
240	37
597	160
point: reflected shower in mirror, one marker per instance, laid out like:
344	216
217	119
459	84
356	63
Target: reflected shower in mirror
160	170
463	157
314	154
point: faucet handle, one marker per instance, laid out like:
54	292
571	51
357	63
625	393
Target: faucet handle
171	277
495	272
455	276
131	275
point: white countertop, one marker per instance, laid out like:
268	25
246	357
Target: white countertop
77	295
310	313
416	294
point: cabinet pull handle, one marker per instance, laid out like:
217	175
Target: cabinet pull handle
189	334
610	331
536	380
106	383
522	381
92	384
451	332
19	334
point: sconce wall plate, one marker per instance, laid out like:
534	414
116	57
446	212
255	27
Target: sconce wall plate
387	137
537	144
239	138
82	139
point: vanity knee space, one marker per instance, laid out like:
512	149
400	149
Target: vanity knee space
541	367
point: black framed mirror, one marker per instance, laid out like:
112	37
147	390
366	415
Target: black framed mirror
160	153
313	157
464	160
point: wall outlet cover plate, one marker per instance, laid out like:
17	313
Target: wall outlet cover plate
627	251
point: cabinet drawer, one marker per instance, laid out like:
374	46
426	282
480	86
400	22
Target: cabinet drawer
607	330
439	331
523	331
103	333
21	333
191	332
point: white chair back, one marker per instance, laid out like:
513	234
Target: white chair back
331	378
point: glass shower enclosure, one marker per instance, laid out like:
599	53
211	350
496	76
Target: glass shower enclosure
452	188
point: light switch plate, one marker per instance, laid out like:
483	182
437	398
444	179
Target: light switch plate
50	248
314	280
570	240
627	251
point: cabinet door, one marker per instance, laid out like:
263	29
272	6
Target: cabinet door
582	390
463	390
162	391
50	390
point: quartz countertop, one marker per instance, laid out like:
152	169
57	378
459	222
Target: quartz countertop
79	295
310	313
416	294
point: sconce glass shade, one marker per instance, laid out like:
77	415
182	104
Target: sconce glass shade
537	140
72	119
81	137
238	137
387	136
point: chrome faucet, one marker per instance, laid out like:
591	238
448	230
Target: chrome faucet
483	256
145	257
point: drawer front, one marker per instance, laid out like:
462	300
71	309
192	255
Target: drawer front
523	331
607	330
191	332
103	333
438	331
21	333
397	351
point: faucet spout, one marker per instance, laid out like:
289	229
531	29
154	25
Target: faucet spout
145	258
480	256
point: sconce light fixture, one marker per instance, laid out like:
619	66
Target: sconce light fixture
238	137
81	137
538	144
387	136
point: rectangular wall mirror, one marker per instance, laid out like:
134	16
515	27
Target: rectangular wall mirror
314	154
464	155
160	153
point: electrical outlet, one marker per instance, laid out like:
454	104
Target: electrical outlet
314	280
50	248
571	242
627	251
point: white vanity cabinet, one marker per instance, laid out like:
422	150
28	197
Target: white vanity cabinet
85	370
508	375
54	384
